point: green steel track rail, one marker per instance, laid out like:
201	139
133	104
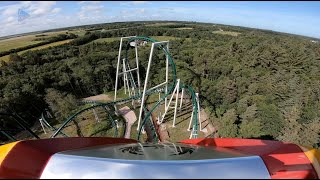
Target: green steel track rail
50	127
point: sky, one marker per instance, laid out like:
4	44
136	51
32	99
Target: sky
296	17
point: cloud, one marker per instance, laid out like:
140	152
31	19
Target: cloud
40	8
33	8
93	2
142	10
90	11
139	2
10	19
48	15
92	8
134	12
55	10
134	3
39	16
10	10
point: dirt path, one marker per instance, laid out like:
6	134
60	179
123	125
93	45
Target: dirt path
207	126
100	97
130	118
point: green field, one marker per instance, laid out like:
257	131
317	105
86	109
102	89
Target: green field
164	38
159	38
17	42
230	33
6	58
161	24
79	32
106	40
47	45
184	28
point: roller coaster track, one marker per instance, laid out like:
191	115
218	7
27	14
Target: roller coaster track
23	124
154	137
104	105
50	127
138	95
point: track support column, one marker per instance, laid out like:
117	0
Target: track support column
181	98
199	117
117	73
191	119
176	103
145	86
167	74
137	63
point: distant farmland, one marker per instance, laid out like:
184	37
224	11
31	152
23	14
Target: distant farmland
16	42
231	33
32	39
6	58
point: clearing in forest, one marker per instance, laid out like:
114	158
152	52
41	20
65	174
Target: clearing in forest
230	33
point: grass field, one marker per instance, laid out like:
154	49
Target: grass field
164	38
6	58
230	33
159	38
17	42
184	28
106	40
160	24
47	45
22	41
78	32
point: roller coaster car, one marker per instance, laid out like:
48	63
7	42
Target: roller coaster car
139	43
102	157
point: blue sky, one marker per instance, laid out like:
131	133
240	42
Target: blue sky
292	17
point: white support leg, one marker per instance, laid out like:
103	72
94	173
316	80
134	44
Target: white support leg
124	77
126	80
175	148
192	132
145	86
117	124
117	73
168	104
181	98
49	114
137	63
176	105
167	74
96	115
191	119
42	126
199	117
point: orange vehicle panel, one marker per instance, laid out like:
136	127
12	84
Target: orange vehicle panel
27	159
283	160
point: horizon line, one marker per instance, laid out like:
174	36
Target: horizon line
30	32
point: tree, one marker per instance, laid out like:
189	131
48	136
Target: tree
250	126
61	104
227	124
227	90
306	134
14	57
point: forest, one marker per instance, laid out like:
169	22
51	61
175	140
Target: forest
255	84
